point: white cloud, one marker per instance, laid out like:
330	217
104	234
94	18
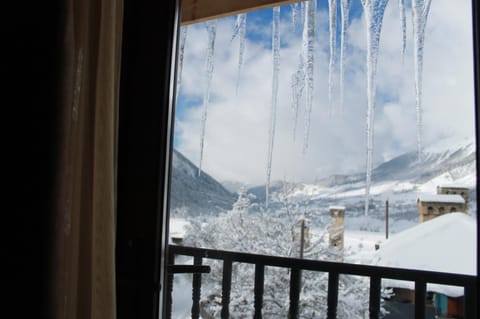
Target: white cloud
237	126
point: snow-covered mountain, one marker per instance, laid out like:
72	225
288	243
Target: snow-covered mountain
459	162
400	180
192	194
455	164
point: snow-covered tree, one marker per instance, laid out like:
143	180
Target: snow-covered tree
270	234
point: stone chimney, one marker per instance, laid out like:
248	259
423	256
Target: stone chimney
336	228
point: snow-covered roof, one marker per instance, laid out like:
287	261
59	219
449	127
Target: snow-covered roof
336	207
442	198
446	244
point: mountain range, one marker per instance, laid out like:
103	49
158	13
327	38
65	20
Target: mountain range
399	179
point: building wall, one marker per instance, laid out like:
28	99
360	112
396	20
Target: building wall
462	191
430	210
448	306
455	307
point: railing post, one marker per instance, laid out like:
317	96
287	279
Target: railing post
420	293
295	283
332	299
226	286
258	290
374	303
196	286
169	302
471	301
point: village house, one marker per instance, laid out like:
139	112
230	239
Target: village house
434	205
455	189
445	244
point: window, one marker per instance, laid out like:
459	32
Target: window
233	152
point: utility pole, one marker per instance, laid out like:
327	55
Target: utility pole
386	219
298	282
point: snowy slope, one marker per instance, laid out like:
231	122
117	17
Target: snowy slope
194	195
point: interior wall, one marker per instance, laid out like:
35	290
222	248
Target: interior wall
30	73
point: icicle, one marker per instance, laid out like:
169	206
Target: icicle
373	11
297	84
345	13
294	8
183	39
209	64
240	30
273	110
308	56
420	10
332	25
301	14
403	21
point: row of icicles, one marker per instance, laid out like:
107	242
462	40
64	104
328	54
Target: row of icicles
302	81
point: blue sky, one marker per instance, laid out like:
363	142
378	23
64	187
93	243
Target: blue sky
262	19
237	126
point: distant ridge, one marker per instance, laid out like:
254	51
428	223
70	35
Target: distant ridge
405	167
458	161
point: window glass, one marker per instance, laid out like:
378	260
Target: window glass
329	129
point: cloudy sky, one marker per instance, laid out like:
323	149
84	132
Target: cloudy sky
237	127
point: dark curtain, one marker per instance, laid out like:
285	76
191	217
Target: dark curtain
85	188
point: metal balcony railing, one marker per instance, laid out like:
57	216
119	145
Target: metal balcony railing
334	269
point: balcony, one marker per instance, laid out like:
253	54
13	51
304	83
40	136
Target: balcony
295	266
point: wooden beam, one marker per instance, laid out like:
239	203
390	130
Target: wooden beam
194	11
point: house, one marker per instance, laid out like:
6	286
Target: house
89	96
461	190
434	205
445	244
